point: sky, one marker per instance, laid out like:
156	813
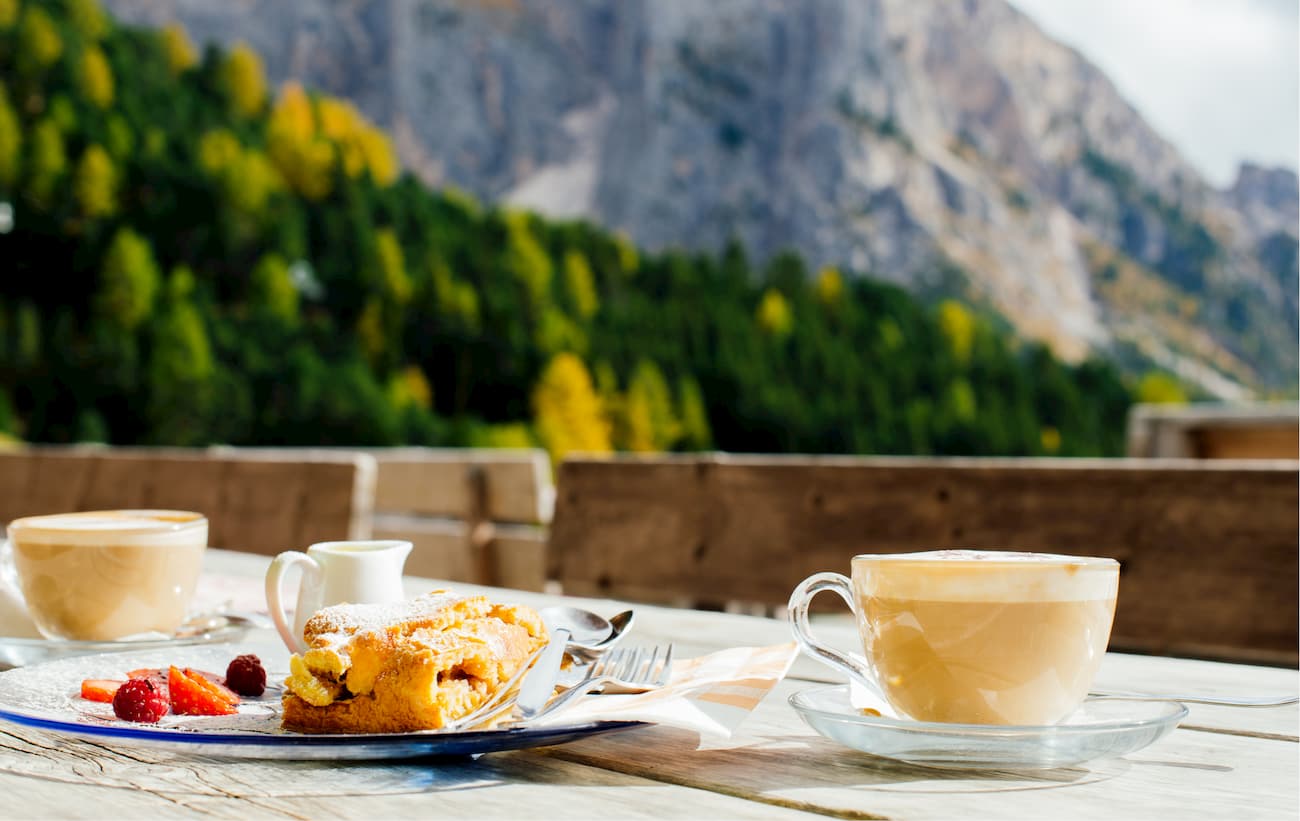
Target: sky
1220	79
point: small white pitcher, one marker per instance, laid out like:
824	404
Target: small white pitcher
335	573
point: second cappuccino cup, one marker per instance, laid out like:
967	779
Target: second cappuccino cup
971	637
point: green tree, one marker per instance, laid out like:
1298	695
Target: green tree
527	260
96	183
181	367
392	267
272	289
129	280
651	424
696	433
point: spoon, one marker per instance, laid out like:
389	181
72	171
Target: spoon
582	633
1221	701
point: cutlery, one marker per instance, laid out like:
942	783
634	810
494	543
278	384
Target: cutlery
1222	701
583	634
622	670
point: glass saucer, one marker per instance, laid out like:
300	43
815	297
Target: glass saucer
1099	728
216	629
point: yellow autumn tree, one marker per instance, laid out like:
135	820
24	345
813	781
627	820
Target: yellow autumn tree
178	49
410	386
305	160
11	141
830	285
96	77
958	326
650	423
47	159
87	18
129	280
8	14
392	267
569	415
774	315
272	290
244	81
696	432
95	184
527	260
1160	388
39	43
580	284
246	176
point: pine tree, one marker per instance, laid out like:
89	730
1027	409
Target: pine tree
774	315
87	18
181	367
96	77
39	43
46	160
272	289
580	284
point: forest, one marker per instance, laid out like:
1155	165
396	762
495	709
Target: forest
191	256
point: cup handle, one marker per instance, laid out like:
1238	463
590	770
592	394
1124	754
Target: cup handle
856	669
311	579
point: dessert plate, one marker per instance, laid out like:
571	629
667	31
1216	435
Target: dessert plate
1099	728
46	696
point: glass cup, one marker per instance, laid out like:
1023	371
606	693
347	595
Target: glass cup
107	574
971	636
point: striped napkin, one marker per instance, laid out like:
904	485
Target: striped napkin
711	694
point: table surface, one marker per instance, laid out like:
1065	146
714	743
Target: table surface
1221	762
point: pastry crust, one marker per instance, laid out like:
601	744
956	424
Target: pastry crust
415	665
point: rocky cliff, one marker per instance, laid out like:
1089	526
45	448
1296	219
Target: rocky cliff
943	145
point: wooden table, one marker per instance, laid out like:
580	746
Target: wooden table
1221	762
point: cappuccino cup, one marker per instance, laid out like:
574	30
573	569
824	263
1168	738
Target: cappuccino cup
107	574
971	636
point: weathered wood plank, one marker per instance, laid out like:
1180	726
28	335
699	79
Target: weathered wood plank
441	550
1209	549
775	759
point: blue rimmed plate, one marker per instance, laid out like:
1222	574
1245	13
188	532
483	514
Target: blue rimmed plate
1099	728
47	696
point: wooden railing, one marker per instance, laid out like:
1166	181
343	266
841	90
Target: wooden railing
1263	430
1208	549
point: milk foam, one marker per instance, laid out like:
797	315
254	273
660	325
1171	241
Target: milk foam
119	527
985	576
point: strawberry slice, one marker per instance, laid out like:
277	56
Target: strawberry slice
192	694
100	689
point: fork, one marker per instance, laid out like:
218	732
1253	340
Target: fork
621	670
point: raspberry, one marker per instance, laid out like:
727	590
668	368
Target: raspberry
139	700
194	695
246	675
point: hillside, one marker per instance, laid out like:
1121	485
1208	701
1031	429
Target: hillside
953	148
196	256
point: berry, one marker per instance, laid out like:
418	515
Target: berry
139	700
99	689
193	694
246	675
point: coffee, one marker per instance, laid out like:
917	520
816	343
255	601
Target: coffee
107	574
980	637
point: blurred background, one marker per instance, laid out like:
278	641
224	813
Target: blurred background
825	226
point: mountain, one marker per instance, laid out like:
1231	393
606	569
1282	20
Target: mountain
952	147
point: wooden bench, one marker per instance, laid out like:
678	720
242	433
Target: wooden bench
262	505
1208	549
472	515
1264	430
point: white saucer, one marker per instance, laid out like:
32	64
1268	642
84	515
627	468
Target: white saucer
1100	728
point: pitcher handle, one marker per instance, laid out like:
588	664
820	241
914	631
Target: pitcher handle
311	578
800	599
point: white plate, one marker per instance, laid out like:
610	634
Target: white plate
47	696
1100	728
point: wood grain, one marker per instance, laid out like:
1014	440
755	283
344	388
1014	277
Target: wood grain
263	505
1209	549
442	550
